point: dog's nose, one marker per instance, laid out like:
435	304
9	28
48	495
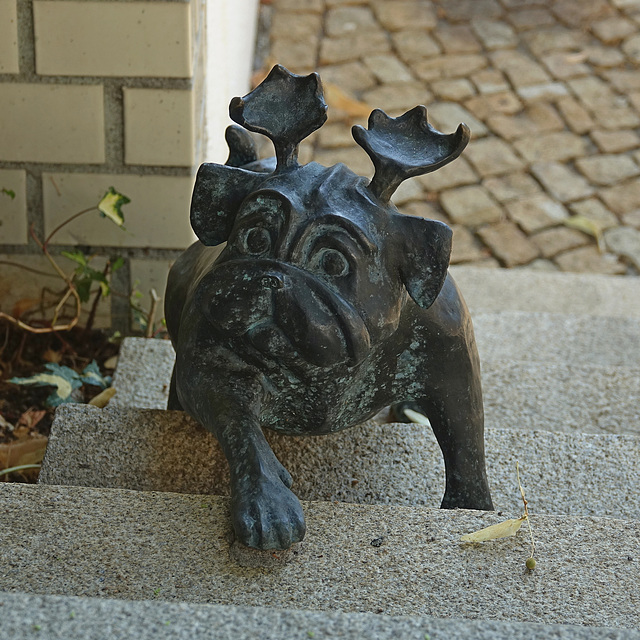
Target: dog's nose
272	281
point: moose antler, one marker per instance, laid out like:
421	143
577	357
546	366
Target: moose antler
406	146
284	107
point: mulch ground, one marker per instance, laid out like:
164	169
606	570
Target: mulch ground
23	413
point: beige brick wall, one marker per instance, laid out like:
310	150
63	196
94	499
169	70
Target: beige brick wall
8	37
147	39
52	123
93	94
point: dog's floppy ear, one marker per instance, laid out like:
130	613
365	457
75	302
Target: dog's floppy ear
218	193
424	248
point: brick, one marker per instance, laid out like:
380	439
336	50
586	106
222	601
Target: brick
113	38
351	76
547	91
593	92
612	30
335	134
581	14
400	96
536	212
605	57
553	241
412	45
551	147
520	68
508	244
622	198
632	219
343	21
561	182
295	26
631	47
624	242
495	35
575	115
526	19
449	66
408	191
490	81
298	57
454	174
563	64
13	210
493	157
623	81
455	90
511	186
616	141
316	6
617	117
468	10
9	57
402	14
52	123
333	50
456	38
446	116
487	105
159	127
536	119
354	157
543	41
387	69
595	211
466	247
423	209
157	216
589	260
608	169
471	206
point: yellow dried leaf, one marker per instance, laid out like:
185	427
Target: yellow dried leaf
102	399
416	417
339	99
495	531
588	226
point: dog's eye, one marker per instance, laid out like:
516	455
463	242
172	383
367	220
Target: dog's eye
257	241
333	263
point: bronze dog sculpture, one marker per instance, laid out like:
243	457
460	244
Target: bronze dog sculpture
310	303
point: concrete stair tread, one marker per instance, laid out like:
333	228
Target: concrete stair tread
528	290
579	474
74	618
136	545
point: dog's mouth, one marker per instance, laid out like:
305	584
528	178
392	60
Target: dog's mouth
285	313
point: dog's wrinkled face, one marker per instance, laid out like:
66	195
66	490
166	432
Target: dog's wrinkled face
311	274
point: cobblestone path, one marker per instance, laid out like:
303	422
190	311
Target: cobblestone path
550	90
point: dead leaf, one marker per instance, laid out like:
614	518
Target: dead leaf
30	418
495	531
23	305
52	356
588	226
339	99
110	363
103	398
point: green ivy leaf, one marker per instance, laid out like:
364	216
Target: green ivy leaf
116	263
91	375
76	256
64	379
83	287
110	206
8	192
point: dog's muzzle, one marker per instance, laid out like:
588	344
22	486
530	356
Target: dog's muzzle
285	313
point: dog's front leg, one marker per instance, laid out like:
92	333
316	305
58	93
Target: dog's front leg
265	512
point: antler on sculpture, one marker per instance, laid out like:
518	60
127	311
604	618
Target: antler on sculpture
284	107
406	146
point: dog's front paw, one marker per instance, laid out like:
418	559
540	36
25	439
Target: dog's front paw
267	515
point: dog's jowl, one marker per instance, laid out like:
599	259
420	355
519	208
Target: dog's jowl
309	303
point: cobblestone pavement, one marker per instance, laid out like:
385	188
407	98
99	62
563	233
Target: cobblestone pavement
550	90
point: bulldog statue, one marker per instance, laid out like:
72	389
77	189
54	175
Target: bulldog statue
310	303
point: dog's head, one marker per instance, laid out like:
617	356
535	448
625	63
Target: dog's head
318	263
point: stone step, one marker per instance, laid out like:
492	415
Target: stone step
152	450
72	618
557	338
490	290
527	395
393	560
